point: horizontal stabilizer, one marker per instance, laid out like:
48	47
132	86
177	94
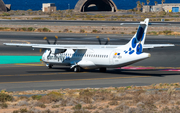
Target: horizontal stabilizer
148	46
142	23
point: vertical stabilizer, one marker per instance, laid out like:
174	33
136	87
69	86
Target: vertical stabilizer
137	42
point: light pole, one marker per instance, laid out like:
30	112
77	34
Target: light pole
68	6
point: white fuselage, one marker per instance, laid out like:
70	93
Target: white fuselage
92	59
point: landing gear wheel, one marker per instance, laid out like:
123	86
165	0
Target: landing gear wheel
49	66
102	69
77	69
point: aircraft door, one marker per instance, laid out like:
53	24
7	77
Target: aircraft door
115	57
111	58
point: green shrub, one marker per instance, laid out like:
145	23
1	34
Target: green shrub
40	29
51	97
5	97
167	32
77	107
36	97
86	92
6	28
113	102
82	31
24	29
45	29
133	32
54	93
3	105
66	30
55	106
166	19
31	29
15	111
94	31
127	87
153	32
29	10
5	14
23	97
42	106
90	107
178	102
23	110
1	28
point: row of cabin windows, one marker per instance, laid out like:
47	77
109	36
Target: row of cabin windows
86	55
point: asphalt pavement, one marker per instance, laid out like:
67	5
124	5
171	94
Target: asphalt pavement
78	23
20	77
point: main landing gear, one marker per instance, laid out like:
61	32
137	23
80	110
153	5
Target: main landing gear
102	69
77	69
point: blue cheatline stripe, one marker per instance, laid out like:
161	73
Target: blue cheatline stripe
19	59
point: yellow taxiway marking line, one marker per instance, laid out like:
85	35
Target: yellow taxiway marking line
31	64
41	74
74	79
21	65
10	66
21	41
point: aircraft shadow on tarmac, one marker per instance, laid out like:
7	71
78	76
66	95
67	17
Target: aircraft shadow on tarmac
117	72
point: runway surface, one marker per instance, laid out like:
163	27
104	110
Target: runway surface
18	77
76	23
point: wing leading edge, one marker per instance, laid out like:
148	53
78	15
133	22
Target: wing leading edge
47	46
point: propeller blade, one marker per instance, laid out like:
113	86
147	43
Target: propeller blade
99	40
108	39
56	37
45	38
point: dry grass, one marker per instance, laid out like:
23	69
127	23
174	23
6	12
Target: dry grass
71	15
164	98
93	29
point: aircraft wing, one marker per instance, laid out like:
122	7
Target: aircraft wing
60	46
23	45
146	46
48	46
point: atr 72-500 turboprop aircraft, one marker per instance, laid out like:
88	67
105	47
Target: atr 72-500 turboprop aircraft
97	56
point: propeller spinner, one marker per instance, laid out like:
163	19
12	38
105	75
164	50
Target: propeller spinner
108	39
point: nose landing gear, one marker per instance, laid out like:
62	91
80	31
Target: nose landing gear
49	66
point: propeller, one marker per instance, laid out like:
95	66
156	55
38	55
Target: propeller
55	41
45	38
99	40
108	39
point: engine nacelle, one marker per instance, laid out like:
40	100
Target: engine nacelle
57	51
